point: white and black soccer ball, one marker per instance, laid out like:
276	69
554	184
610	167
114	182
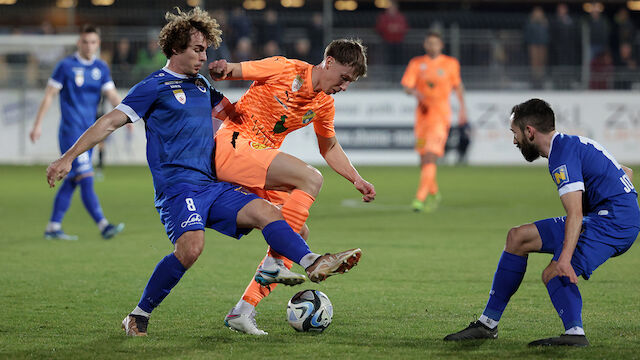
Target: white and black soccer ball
309	310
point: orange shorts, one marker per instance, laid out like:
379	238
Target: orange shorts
431	136
242	161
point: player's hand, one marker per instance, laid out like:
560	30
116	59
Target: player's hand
57	170
462	116
565	269
366	188
218	70
35	133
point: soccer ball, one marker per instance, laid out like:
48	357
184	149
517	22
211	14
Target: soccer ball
309	310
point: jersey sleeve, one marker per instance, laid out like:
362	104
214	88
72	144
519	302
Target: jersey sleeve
409	77
261	70
324	125
107	82
57	78
566	169
139	100
455	72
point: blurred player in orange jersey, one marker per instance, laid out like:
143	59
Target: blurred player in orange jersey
430	78
286	95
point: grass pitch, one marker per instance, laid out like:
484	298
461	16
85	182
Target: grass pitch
421	276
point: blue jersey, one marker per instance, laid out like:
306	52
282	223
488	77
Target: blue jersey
81	83
177	114
579	163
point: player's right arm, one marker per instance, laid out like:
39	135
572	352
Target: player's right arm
49	93
628	171
102	128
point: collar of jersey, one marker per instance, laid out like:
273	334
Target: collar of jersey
551	144
84	61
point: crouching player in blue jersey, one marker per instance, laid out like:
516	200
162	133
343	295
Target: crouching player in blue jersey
602	221
80	79
176	104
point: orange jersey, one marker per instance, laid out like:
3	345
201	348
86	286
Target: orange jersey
434	78
281	100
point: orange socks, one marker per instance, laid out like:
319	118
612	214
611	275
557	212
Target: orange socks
296	209
428	184
255	292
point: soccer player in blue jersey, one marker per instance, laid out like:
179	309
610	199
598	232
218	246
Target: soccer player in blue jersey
176	103
602	221
80	79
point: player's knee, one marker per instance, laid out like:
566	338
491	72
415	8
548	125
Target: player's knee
189	250
514	243
313	181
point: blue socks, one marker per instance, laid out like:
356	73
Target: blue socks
507	279
165	276
62	200
285	241
90	199
567	300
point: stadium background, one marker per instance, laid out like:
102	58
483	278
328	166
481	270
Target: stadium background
65	300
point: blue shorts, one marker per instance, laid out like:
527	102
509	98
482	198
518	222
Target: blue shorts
602	237
82	164
214	206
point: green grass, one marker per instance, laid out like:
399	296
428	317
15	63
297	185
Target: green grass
421	277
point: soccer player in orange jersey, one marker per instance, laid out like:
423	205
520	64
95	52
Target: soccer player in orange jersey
430	78
286	95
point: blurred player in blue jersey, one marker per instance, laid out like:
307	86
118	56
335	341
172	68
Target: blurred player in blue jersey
176	103
602	221
80	79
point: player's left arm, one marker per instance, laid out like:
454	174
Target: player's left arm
458	87
572	202
335	156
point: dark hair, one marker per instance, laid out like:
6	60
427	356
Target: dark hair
434	33
536	113
89	28
349	52
176	34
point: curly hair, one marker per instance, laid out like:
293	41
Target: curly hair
176	34
349	52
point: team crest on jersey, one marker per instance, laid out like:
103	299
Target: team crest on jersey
180	96
560	175
297	83
308	116
78	76
258	146
200	85
96	73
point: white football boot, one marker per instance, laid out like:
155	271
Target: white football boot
333	264
243	322
276	272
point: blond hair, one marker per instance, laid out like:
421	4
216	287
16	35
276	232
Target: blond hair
176	34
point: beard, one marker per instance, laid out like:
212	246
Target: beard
529	150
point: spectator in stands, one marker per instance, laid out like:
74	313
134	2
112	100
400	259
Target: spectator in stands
626	67
271	48
392	27
315	34
302	50
564	47
149	59
625	32
602	71
270	29
123	62
222	52
536	37
240	26
598	31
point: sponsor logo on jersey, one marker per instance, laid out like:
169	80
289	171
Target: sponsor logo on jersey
180	96
560	175
258	146
297	83
308	116
200	85
194	219
96	73
78	76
